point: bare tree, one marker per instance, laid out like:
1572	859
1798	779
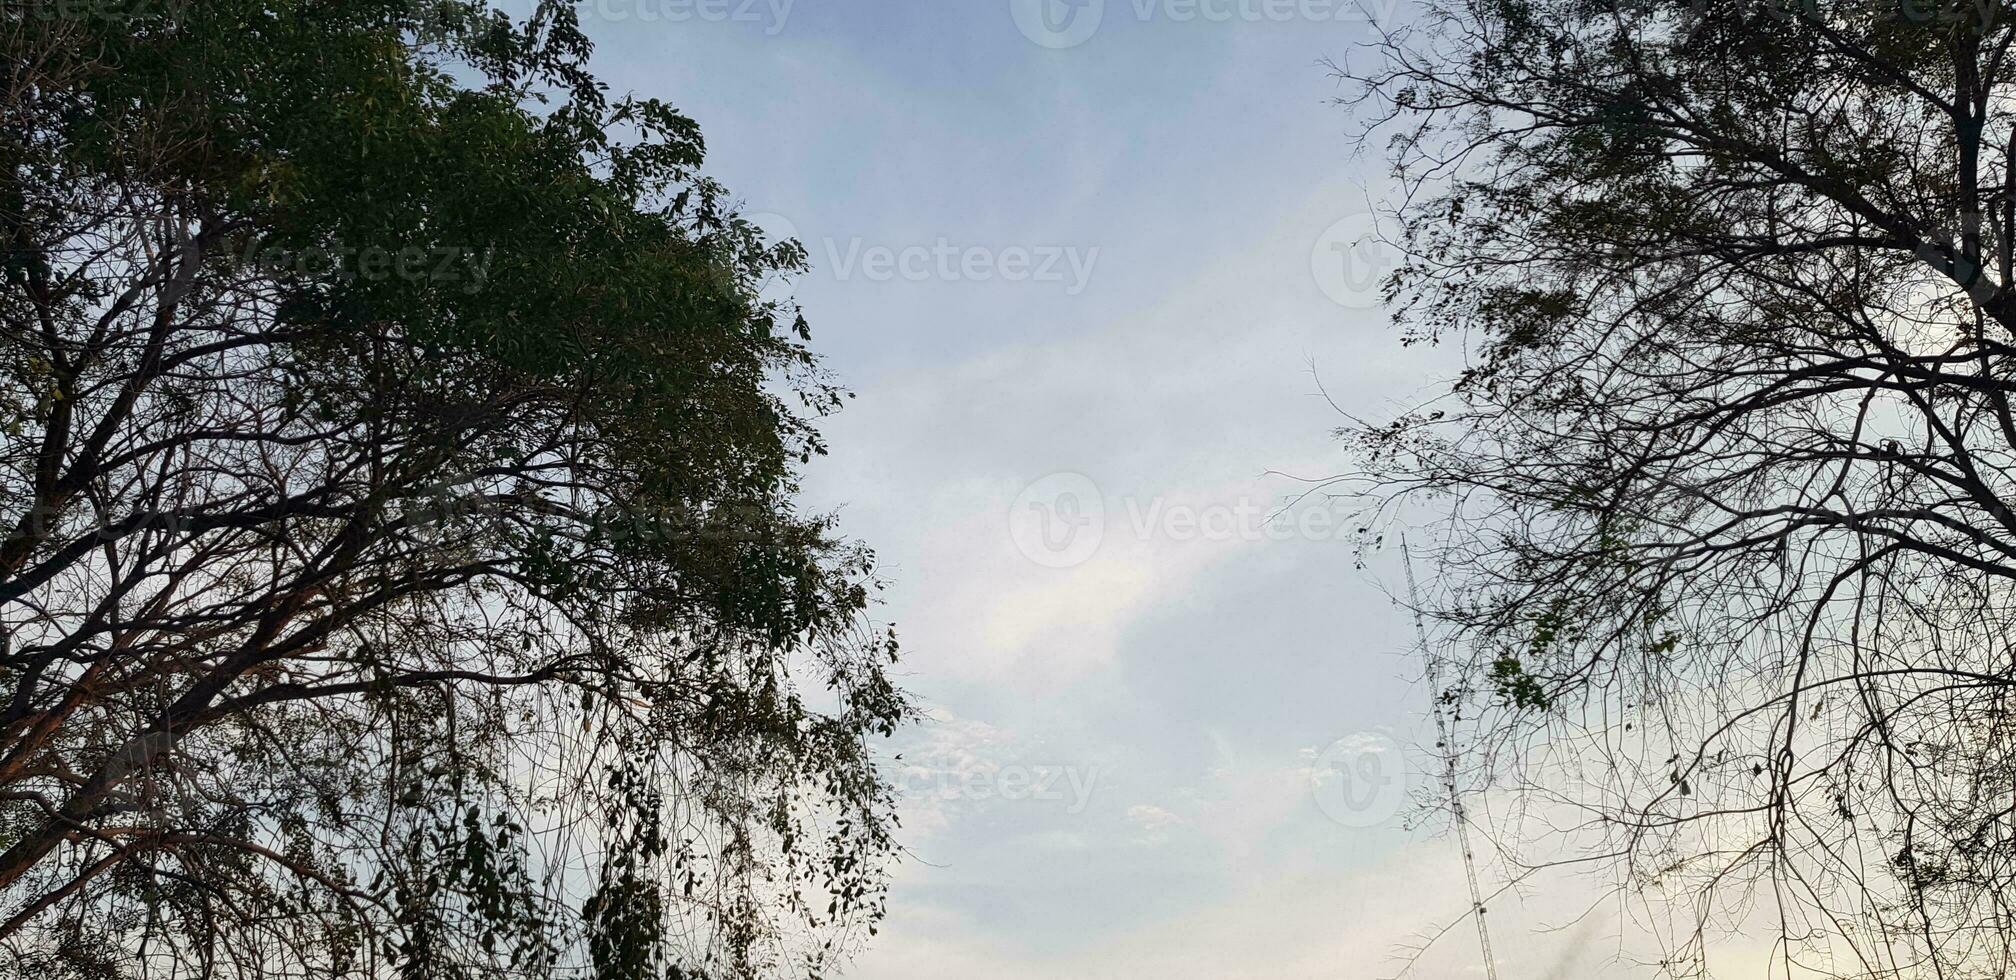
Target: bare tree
1728	546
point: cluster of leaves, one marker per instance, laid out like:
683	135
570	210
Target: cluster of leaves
343	634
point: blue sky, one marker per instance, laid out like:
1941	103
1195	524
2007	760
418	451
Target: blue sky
1085	289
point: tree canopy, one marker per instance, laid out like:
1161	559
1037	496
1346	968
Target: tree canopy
1727	551
399	568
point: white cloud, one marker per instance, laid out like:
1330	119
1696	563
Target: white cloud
1152	822
1178	376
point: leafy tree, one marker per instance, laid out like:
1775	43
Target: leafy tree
399	571
1729	553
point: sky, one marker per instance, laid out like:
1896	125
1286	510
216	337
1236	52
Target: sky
1099	273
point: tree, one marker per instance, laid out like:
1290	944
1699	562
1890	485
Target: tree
1725	479
399	569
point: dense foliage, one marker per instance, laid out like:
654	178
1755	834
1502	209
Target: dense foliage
400	573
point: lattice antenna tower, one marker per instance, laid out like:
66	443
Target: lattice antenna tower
1446	746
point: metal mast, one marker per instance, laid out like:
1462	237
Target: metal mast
1445	733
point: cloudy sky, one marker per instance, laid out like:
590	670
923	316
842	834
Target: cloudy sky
1091	270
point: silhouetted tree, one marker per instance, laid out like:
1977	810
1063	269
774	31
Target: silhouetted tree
399	573
1729	555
